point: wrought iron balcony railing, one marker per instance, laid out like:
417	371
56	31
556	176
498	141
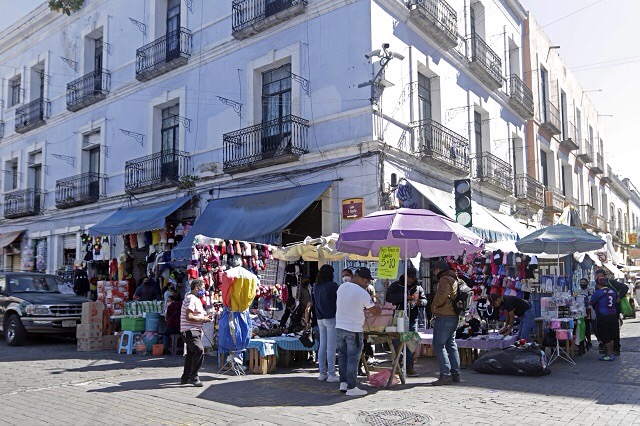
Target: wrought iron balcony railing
585	154
160	170
445	147
529	190
78	190
569	138
588	216
485	63
249	17
598	166
26	202
164	54
551	119
88	89
607	176
570	201
272	142
489	169
30	116
436	18
600	223
553	200
520	97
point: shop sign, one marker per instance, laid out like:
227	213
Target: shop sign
352	208
633	239
602	256
388	261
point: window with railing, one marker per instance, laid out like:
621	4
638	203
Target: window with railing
247	13
15	90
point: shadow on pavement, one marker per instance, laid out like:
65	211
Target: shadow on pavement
149	384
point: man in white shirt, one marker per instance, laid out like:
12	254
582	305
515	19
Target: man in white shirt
352	301
192	317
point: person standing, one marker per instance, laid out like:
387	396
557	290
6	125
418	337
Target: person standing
147	291
621	290
515	307
324	296
604	301
415	298
346	275
590	318
352	300
192	317
445	324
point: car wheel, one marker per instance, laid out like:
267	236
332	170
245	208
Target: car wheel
14	332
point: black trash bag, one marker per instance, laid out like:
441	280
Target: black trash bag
513	361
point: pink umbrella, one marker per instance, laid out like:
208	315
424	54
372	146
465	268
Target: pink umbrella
415	231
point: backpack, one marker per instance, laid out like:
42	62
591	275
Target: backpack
621	289
462	302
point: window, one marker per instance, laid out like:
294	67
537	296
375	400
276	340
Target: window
97	65
173	29
14	175
170	143
276	107
477	126
578	126
424	97
563	180
563	115
14	91
544	87
544	171
591	134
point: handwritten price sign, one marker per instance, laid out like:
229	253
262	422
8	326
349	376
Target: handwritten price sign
388	260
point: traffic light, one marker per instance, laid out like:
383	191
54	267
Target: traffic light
462	192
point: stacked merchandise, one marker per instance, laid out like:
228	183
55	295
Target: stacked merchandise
140	308
89	332
113	294
263	325
269	296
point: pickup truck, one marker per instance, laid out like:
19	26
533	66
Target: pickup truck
32	303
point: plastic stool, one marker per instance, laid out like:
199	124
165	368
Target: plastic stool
129	344
174	338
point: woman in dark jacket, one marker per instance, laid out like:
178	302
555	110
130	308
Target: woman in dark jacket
324	296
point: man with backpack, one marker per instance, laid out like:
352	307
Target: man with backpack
604	301
445	324
621	290
515	307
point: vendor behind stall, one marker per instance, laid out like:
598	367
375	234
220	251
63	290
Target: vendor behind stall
147	291
293	313
515	307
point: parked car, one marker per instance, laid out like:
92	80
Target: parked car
33	303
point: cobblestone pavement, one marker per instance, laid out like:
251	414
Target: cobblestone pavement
48	382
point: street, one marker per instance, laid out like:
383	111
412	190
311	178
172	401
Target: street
48	382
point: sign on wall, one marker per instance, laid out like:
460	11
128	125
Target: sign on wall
353	208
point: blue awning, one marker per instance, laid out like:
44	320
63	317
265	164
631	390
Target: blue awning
137	219
258	218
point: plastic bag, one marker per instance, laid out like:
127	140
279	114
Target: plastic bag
625	307
513	361
381	378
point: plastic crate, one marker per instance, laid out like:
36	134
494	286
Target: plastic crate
133	324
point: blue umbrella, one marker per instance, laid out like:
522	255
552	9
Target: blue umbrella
559	239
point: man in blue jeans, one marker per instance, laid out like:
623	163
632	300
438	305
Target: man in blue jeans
352	301
445	324
515	307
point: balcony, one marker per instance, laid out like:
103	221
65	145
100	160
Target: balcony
249	17
1	129
26	202
586	152
437	19
598	166
529	191
78	190
485	63
88	89
553	200
278	141
30	116
163	55
442	147
551	119
160	170
492	171
588	216
570	139
520	97
607	176
600	223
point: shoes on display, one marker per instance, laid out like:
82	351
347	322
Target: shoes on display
442	381
356	392
333	378
322	377
455	378
343	386
411	372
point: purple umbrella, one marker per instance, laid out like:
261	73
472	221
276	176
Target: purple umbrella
415	231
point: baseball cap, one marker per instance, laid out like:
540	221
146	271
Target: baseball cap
442	265
363	273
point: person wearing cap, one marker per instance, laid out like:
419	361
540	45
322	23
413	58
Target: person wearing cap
621	291
351	302
445	324
415	298
604	300
515	307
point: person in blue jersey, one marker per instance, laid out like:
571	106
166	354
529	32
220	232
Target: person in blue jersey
605	301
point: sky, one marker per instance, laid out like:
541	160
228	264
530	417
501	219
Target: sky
596	42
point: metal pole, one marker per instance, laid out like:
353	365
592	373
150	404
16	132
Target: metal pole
404	347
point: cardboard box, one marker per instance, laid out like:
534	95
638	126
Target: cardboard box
110	342
92	312
89	345
89	331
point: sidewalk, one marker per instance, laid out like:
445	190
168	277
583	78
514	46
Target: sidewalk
52	383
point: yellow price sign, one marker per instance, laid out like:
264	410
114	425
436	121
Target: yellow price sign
388	260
